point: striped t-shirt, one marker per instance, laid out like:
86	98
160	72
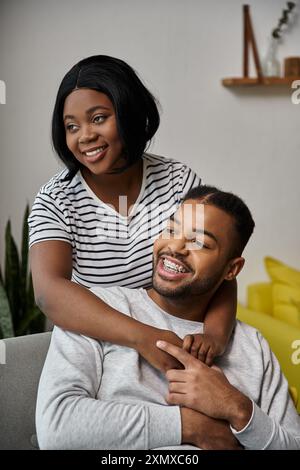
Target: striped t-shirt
108	248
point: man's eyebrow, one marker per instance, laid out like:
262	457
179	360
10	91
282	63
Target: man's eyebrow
209	234
89	111
202	232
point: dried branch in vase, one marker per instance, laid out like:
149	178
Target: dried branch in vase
284	20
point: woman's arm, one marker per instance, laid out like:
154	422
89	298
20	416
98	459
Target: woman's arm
218	325
221	315
74	308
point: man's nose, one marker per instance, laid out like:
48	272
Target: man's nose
178	244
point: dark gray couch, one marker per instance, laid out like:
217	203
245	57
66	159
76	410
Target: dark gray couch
19	379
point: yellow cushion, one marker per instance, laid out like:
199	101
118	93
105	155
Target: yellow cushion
280	272
260	297
287	313
286	303
294	395
285	294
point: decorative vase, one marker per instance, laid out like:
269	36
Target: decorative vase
271	65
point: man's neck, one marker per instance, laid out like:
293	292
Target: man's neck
191	308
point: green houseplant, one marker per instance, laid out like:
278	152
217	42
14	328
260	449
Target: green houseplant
19	314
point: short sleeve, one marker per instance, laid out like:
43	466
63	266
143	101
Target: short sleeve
49	220
188	179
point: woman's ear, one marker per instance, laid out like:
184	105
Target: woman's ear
234	268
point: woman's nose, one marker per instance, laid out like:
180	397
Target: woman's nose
87	134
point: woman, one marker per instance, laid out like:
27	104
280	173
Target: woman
82	235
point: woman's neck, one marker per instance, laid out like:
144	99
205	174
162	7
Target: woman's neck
108	187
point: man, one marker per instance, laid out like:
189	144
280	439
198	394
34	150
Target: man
96	395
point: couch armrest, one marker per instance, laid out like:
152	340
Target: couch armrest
259	297
19	378
281	337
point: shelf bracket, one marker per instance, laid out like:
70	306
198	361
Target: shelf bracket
249	40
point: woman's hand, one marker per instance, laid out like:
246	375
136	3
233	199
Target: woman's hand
203	347
146	346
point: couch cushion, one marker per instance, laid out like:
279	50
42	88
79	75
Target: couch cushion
259	296
19	378
281	272
286	303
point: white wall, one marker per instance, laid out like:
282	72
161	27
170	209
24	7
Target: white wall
246	141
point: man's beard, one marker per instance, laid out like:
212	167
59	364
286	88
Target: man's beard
197	287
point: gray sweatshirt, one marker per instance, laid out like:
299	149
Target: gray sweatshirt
97	395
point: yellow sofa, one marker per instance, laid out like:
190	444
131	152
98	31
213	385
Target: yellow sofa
280	335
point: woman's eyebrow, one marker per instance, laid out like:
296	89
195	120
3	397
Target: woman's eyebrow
94	108
89	111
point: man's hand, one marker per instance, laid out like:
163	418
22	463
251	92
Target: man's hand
203	347
206	433
146	346
205	389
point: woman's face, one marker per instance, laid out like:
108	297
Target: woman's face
91	130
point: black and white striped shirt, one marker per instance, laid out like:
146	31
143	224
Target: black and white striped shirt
108	248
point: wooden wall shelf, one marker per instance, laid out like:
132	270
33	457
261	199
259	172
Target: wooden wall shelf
264	81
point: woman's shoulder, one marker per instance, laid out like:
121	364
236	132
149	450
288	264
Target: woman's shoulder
156	160
179	172
58	187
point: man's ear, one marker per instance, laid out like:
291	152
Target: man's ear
234	268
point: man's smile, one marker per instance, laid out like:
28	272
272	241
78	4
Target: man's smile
170	268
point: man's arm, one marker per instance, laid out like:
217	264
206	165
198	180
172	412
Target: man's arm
69	416
207	433
274	424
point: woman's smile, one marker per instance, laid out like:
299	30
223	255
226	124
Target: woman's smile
95	154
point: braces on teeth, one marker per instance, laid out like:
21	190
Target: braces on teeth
174	267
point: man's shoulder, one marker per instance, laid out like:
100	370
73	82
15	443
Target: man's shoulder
246	329
117	297
247	335
71	342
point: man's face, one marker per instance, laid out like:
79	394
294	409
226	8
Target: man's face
192	256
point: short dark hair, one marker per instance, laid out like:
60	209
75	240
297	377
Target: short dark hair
136	111
232	205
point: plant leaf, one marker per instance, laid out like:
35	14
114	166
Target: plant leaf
6	324
12	275
30	294
38	324
30	316
24	262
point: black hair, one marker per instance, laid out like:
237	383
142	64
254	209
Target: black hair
232	205
136	111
